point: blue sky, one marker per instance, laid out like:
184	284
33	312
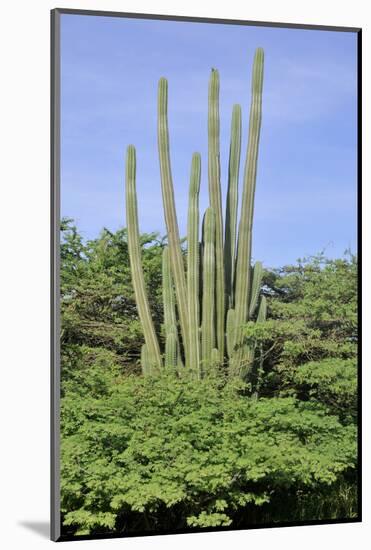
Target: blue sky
307	179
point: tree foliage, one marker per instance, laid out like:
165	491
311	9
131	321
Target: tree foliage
97	299
312	316
166	453
184	452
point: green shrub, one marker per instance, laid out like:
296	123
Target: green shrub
87	371
332	382
163	454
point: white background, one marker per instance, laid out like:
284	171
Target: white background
24	270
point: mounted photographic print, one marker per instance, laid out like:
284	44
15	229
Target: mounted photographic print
205	364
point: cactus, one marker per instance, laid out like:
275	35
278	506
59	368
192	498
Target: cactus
243	275
232	204
244	366
193	265
152	346
262	312
170	323
176	258
144	361
208	291
255	287
230	331
219	291
171	353
215	194
168	293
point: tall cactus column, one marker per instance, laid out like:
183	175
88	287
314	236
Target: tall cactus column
208	290
170	321
232	204
168	293
171	217
216	204
193	262
243	276
151	352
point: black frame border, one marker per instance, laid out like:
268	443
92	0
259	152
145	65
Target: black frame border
55	109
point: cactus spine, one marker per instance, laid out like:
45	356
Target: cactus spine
193	265
215	194
220	291
171	217
152	347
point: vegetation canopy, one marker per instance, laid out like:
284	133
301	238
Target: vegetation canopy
166	453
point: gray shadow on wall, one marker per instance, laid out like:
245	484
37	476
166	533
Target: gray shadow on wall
41	528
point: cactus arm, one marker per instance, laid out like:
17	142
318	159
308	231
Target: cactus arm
171	359
247	206
244	364
248	352
230	331
193	265
255	287
262	311
136	261
170	215
168	293
144	361
216	203
232	203
170	323
247	360
208	290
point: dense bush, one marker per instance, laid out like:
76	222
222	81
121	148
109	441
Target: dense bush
183	452
312	316
97	298
166	453
332	382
